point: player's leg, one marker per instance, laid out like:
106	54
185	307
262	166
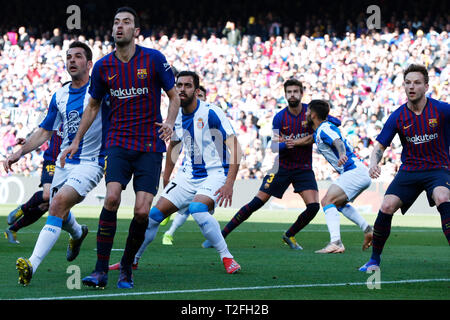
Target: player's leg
311	199
245	212
333	199
146	168
32	214
353	183
63	200
138	230
441	196
107	226
179	219
163	208
401	194
353	215
210	228
273	184
118	173
304	183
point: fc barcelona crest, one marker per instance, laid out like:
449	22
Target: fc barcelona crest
142	74
432	122
304	124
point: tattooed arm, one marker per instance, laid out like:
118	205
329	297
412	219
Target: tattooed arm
375	158
340	147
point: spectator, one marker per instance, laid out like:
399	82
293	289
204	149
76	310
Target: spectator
232	34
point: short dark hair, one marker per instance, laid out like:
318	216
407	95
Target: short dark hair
192	74
320	107
417	68
132	11
84	46
202	88
293	82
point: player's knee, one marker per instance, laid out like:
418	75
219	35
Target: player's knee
141	216
46	195
195	207
324	202
58	207
112	202
441	198
389	207
313	208
156	215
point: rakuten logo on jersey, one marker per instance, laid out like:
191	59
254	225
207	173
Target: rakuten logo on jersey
422	139
128	93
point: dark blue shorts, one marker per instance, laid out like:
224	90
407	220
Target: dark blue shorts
48	171
408	185
121	164
276	184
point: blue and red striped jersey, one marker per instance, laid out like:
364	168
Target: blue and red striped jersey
135	95
54	146
425	137
286	124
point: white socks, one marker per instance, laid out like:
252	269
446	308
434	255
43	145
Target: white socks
72	227
353	215
46	240
177	222
333	222
211	231
150	234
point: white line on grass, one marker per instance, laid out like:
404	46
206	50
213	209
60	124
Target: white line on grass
125	294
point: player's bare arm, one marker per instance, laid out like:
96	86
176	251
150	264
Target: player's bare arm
172	154
375	158
87	119
37	139
340	147
166	128
226	191
300	142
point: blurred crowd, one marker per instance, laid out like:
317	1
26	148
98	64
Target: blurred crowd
359	72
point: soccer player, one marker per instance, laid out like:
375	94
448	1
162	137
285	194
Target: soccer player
423	125
71	182
210	166
133	76
181	216
29	212
293	141
354	177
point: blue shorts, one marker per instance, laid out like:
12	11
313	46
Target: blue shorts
276	184
408	185
121	164
48	171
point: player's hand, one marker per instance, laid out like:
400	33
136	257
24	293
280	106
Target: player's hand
12	158
165	131
375	171
20	141
342	160
68	152
290	142
225	194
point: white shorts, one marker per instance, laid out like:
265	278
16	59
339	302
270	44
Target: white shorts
83	177
354	181
181	190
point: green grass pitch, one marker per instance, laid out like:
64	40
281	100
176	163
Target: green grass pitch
415	262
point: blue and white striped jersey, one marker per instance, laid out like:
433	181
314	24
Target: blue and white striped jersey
66	107
203	134
324	136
